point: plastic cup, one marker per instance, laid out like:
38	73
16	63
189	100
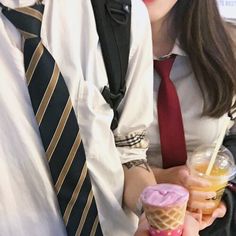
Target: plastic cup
223	170
165	206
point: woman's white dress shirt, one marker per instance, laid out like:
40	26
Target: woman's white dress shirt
28	205
198	130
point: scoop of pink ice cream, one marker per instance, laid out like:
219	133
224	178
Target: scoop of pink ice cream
164	195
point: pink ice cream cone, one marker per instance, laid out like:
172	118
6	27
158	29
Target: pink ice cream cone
165	207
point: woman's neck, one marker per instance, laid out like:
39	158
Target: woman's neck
161	39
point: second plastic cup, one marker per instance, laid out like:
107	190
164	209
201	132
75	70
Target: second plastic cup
223	170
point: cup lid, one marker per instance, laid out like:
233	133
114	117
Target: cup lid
224	167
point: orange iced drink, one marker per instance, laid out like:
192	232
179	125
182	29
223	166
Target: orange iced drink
218	181
223	170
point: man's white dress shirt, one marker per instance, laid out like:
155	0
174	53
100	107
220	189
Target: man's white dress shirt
198	130
28	205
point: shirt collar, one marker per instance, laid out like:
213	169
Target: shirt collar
177	50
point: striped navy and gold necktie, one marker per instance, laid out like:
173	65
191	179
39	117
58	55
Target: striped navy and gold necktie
58	126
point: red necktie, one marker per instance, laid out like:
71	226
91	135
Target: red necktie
173	147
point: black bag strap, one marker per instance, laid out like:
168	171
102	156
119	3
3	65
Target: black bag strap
113	19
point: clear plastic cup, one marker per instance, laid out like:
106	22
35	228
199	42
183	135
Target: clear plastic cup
223	170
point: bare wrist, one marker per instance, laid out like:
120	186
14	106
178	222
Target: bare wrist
158	173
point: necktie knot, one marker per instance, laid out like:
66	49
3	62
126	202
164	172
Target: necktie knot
27	20
163	67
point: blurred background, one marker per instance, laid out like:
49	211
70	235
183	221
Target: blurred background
228	10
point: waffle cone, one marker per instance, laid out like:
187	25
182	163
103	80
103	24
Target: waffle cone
165	218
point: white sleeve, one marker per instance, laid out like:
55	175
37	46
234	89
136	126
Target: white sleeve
136	108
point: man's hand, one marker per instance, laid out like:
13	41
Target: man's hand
191	226
142	226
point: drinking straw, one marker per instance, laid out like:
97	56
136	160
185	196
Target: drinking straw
217	146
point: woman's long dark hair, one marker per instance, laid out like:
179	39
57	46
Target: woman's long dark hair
203	36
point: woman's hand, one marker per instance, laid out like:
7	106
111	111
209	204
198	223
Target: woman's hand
207	220
180	175
191	225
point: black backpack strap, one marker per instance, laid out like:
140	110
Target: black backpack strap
113	19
